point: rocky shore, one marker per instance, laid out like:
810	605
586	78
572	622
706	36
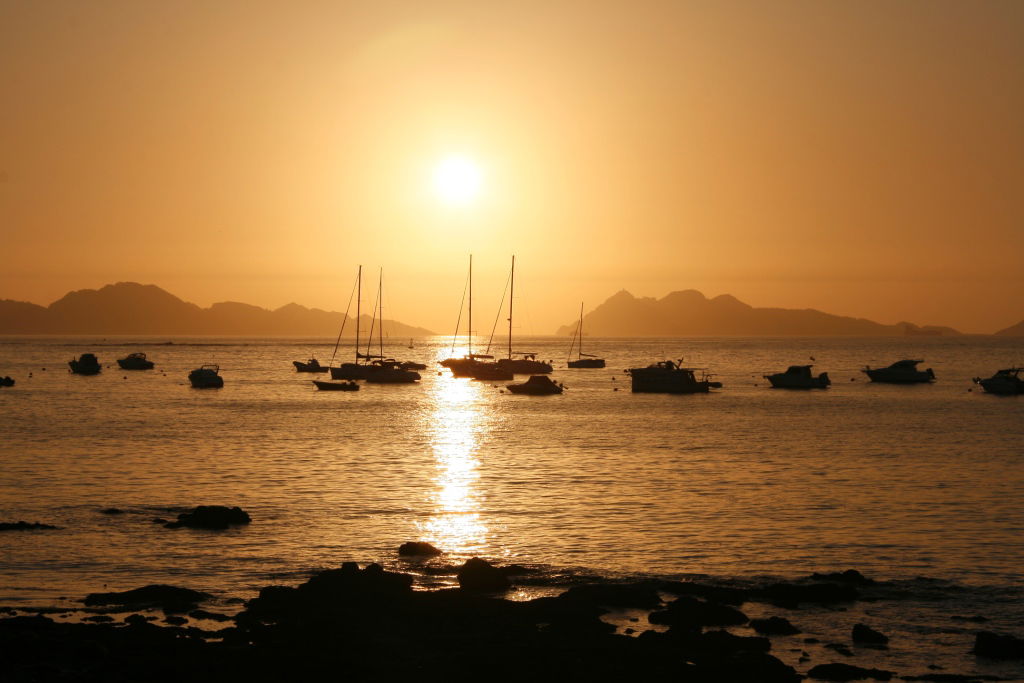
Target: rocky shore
371	624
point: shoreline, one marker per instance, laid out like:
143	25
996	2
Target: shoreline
372	623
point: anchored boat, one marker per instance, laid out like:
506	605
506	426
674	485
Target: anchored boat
900	372
1005	382
669	377
206	377
87	364
135	361
799	377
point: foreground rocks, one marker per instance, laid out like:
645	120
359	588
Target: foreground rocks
214	517
167	598
847	672
998	646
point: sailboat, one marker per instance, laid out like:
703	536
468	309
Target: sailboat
468	363
385	370
349	385
527	363
354	370
583	360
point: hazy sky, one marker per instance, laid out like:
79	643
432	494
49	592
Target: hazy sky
864	158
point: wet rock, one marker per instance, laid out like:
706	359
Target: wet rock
977	618
420	548
211	616
159	520
774	626
847	672
793	594
722	594
687	612
112	511
213	517
840	648
851	576
99	619
721	643
953	678
170	598
175	620
998	646
481	575
865	635
640	595
24	526
751	667
136	620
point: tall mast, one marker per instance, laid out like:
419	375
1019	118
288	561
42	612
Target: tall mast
359	301
581	329
380	295
511	298
469	332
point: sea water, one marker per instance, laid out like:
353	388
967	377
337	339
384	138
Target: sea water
918	485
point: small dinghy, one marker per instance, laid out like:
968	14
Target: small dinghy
206	377
537	385
135	361
335	386
6	382
311	365
87	364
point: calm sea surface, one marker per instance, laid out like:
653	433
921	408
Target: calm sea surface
896	481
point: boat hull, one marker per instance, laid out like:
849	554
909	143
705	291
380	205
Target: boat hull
134	364
335	386
537	385
1002	387
781	381
308	367
673	382
392	376
83	368
886	376
349	371
587	363
206	382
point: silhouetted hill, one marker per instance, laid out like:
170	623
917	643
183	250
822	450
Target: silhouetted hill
131	308
1013	331
690	313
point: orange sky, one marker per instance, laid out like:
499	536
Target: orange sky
862	158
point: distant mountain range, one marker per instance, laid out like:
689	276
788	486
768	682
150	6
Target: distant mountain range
690	313
131	308
1012	331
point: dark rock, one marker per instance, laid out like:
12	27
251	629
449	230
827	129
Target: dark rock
840	648
953	678
722	594
687	612
135	620
418	548
998	646
751	667
616	595
865	635
847	672
792	594
214	517
977	618
851	576
774	626
159	520
112	511
211	616
175	620
99	619
811	641
170	598
722	643
24	526
481	575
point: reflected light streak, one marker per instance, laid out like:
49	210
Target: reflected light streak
456	424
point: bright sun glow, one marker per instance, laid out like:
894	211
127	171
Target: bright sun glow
457	180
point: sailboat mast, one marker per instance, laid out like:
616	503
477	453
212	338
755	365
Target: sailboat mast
359	302
511	298
469	332
380	294
580	347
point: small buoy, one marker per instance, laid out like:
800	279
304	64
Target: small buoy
970	390
438	373
853	379
44	368
755	384
125	377
615	389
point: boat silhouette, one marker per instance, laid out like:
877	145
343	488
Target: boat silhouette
669	377
86	364
900	372
799	377
583	360
135	361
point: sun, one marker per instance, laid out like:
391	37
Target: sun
457	180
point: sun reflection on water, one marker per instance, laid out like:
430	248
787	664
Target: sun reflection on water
456	423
